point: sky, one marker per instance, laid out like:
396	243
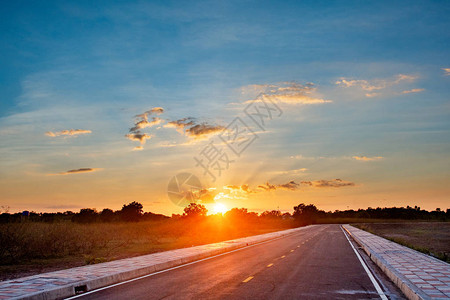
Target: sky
341	104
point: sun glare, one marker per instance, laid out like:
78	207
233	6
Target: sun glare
220	208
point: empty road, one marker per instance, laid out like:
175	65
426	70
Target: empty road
315	263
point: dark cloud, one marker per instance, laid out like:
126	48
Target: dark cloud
267	187
77	171
181	123
138	136
291	186
142	122
199	131
193	129
335	183
145	123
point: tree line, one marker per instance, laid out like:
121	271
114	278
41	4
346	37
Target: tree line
302	214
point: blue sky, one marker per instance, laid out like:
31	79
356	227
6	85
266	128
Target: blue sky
94	66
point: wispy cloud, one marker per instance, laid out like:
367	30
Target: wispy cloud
447	71
287	93
69	132
78	171
377	87
413	91
266	187
365	158
334	183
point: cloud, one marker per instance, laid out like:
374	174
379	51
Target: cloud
138	148
70	132
371	95
138	136
145	123
335	183
201	131
413	91
374	88
291	186
142	122
266	187
154	110
78	171
287	93
365	158
192	129
181	124
447	71
242	188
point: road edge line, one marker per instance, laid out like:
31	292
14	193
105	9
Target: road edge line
369	273
403	284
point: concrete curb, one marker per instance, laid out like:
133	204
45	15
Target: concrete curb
405	285
64	291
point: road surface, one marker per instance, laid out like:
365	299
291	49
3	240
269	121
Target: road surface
315	263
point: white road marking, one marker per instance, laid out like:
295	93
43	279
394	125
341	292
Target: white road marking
173	268
372	278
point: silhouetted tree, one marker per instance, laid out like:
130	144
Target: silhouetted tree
86	215
305	214
131	212
271	214
194	210
107	215
286	216
237	214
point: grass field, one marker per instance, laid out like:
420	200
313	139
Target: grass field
35	247
428	237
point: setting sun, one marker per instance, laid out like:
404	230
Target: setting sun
220	208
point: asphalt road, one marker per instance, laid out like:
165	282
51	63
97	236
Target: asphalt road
316	263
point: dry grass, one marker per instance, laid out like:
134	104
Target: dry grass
33	247
428	237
